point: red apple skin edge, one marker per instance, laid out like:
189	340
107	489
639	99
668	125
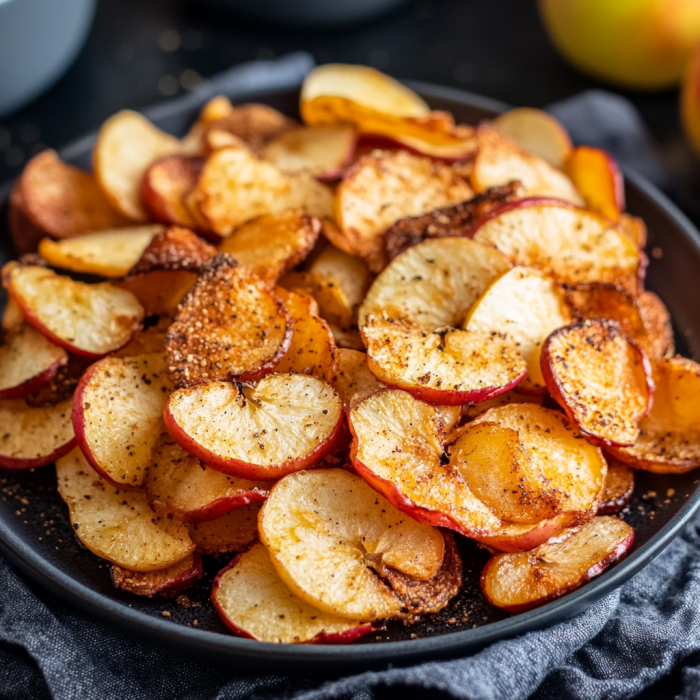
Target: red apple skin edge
386	142
157	206
36	383
221	506
619	552
553	385
612	507
337	172
254	472
16	463
183	580
336	638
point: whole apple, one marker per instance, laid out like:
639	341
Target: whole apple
638	44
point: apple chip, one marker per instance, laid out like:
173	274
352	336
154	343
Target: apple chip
254	602
233	532
569	244
435	283
285	423
669	437
506	398
272	244
657	323
449	367
618	488
596	176
13	320
118	525
164	582
160	291
354	381
87	319
328	525
25	234
107	253
526	306
635	228
175	249
519	582
600	378
382	188
150	340
181	486
117	415
127	144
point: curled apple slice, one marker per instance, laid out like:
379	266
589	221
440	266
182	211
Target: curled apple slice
658	326
519	582
118	525
272	244
34	436
117	415
596	176
450	367
600	378
88	319
165	582
230	325
382	188
526	306
108	253
254	602
329	525
435	283
286	423
180	485
173	249
234	531
669	437
618	488
571	245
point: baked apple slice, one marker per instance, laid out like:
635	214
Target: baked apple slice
164	582
449	367
596	176
117	415
229	326
571	245
618	488
600	378
286	423
506	398
254	602
329	525
87	319
526	306
657	322
669	437
118	525
519	582
181	486
234	531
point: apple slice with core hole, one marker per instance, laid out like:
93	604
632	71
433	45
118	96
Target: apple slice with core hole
618	488
164	582
117	415
87	319
329	525
118	525
601	378
254	602
286	423
519	582
234	531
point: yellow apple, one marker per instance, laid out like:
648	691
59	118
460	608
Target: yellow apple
639	44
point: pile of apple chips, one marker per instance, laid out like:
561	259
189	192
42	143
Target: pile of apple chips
335	348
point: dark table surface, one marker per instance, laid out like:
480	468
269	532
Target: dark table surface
143	51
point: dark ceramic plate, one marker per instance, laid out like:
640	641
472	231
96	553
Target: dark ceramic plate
35	534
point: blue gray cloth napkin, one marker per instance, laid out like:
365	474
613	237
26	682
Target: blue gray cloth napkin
615	649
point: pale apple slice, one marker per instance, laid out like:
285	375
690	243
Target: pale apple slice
229	326
329	525
601	378
526	306
596	176
669	437
435	283
273	244
164	582
286	423
234	531
449	367
28	361
321	151
107	253
571	245
254	602
117	415
658	326
537	132
618	488
127	144
382	188
13	320
519	582
87	319
181	486
118	525
34	436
